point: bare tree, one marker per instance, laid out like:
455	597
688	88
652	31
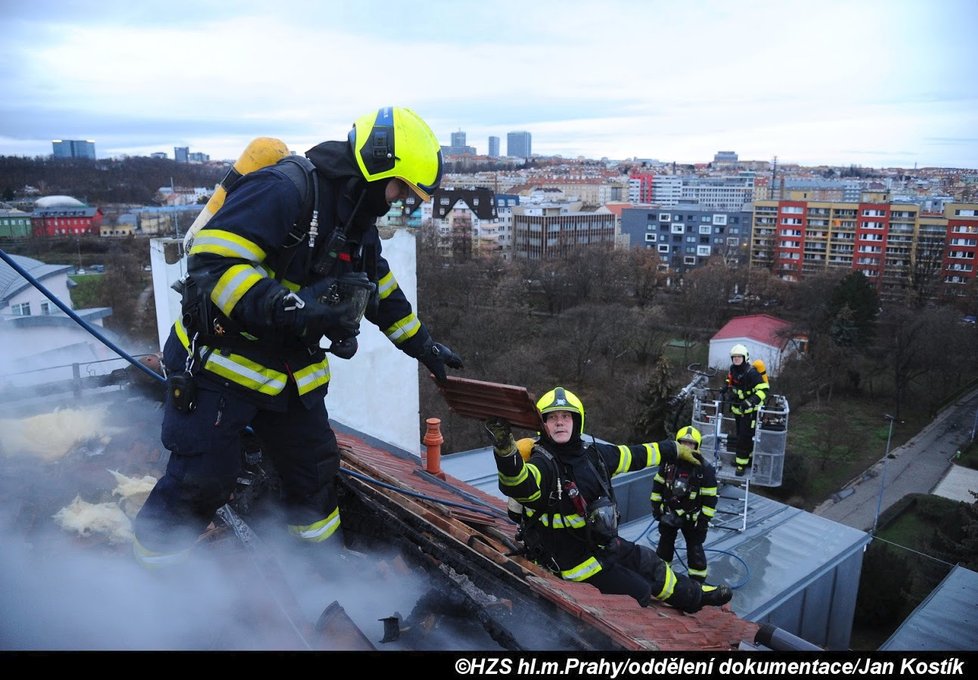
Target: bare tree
908	345
642	278
925	273
830	440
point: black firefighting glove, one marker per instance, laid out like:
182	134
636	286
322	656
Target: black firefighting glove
436	357
501	436
344	348
657	511
311	315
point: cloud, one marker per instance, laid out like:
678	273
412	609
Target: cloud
150	76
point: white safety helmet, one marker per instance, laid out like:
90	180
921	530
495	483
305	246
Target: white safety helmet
739	350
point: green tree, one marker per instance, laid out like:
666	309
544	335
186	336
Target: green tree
654	408
956	538
854	308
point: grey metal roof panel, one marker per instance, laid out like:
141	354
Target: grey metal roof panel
955	600
12	282
780	551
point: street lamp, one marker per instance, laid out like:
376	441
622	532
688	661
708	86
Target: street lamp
879	501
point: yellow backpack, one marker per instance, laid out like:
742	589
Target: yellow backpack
260	152
759	366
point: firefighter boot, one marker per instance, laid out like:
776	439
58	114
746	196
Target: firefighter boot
716	596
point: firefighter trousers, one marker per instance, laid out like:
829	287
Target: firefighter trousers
206	458
635	570
695	552
745	426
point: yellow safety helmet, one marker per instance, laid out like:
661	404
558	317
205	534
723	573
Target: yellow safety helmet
740	350
396	143
560	399
689	433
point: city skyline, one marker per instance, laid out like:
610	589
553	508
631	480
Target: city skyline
868	82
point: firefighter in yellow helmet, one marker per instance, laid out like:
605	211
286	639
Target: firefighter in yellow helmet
291	261
684	499
747	391
569	518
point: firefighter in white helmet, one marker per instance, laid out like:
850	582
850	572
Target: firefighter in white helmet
747	391
569	520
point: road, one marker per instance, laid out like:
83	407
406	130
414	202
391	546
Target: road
916	467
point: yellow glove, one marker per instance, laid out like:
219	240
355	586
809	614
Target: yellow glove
686	454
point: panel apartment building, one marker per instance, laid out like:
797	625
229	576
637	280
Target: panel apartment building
896	245
687	235
552	231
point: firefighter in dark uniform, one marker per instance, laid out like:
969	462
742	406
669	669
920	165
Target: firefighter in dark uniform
271	277
684	498
569	519
748	391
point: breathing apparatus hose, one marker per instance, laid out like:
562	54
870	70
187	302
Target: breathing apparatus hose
80	321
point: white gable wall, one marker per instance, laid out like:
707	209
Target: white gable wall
57	284
720	354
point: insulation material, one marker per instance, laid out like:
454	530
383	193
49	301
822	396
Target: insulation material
111	520
50	436
133	491
86	519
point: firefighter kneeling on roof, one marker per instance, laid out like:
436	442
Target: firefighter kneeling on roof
561	487
684	498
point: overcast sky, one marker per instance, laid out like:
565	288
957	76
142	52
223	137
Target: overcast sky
876	83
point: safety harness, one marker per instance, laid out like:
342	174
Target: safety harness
683	503
602	510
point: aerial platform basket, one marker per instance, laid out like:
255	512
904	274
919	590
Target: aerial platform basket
770	441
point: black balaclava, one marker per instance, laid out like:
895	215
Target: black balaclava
335	160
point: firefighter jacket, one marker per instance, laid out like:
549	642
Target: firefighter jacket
252	247
689	491
747	387
554	529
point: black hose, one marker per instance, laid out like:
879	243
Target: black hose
780	640
80	321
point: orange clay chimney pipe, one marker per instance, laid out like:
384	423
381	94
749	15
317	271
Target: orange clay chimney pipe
433	441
